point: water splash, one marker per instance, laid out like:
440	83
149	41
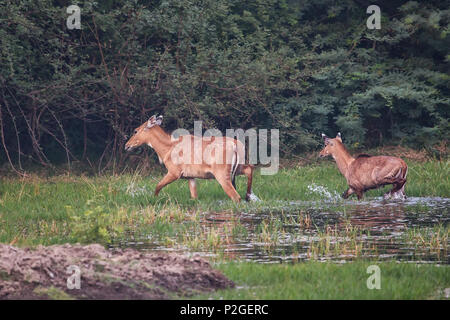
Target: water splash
394	196
323	191
252	197
135	191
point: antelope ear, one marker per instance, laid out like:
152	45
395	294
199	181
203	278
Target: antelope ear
159	120
339	137
326	140
151	121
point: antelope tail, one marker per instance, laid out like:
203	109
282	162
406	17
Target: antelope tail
234	164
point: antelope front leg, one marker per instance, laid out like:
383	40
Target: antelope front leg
348	193
168	178
359	194
193	188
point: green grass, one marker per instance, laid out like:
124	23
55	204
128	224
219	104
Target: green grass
315	280
45	211
52	293
113	209
434	239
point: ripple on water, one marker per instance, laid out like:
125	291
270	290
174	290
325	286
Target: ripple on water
328	230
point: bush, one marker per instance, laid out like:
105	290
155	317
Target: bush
304	67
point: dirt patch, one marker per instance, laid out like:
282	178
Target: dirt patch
42	273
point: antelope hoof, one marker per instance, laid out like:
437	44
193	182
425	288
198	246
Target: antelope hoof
251	197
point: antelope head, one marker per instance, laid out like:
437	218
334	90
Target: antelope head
142	133
330	145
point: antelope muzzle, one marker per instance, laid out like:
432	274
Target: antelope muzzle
129	147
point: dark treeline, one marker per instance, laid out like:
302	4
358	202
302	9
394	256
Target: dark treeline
304	67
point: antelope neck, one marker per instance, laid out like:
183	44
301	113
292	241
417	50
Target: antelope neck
343	159
160	141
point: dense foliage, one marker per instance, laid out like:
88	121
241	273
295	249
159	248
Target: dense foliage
304	67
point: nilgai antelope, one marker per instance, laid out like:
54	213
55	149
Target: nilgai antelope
367	172
221	158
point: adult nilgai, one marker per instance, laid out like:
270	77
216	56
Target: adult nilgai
190	157
367	172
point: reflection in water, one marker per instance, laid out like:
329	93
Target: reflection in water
333	230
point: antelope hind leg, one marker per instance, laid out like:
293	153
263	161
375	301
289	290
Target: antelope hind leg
193	188
225	182
402	191
397	192
248	171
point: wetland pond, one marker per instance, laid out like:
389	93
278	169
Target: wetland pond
412	230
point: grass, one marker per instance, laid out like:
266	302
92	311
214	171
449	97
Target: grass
338	241
435	239
52	293
315	280
63	209
122	208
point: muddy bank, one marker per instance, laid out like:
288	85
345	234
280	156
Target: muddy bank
42	273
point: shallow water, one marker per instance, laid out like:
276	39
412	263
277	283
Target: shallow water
333	230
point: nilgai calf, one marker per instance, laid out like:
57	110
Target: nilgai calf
367	172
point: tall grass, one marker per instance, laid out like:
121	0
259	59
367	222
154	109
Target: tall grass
435	239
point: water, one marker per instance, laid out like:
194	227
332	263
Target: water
382	230
327	230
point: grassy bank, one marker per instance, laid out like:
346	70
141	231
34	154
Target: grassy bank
113	210
62	209
315	280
